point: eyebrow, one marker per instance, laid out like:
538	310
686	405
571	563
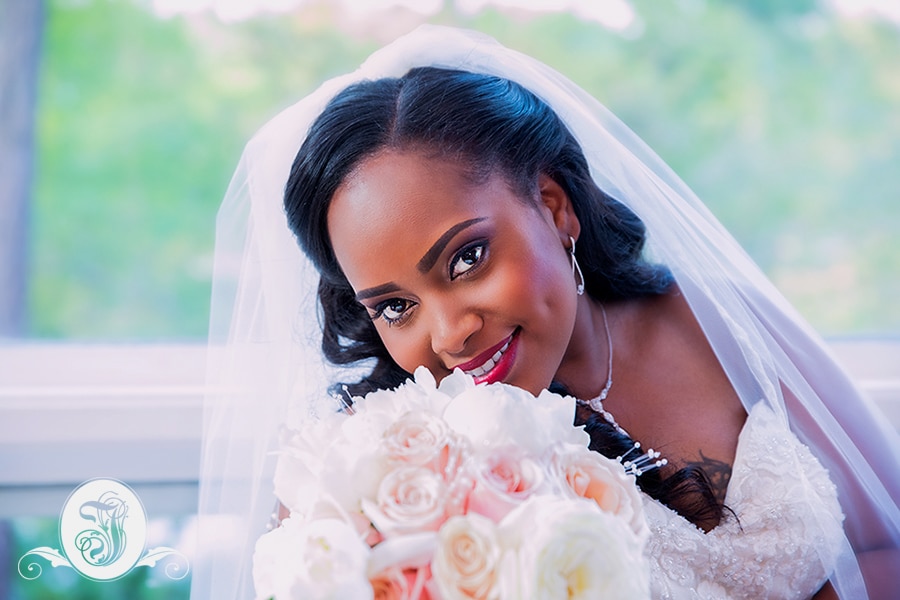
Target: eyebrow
424	265
378	290
430	258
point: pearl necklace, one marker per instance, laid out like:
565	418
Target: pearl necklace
635	462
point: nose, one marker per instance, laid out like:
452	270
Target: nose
451	328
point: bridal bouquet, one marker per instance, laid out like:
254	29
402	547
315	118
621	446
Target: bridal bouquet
456	491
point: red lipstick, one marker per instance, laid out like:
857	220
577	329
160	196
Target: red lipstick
495	363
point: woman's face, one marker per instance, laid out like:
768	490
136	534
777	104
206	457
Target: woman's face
457	274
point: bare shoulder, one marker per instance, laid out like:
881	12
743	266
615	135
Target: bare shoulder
664	344
674	393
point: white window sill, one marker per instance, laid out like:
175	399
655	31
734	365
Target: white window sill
71	412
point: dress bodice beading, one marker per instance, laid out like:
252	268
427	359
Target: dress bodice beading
783	539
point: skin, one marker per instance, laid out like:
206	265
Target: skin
398	211
669	390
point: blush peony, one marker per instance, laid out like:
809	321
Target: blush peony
322	558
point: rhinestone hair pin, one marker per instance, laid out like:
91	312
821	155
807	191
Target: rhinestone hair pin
637	463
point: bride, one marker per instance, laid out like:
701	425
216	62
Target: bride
462	206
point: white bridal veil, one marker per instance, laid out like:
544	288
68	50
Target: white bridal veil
266	369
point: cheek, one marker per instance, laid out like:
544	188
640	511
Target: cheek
543	286
545	296
533	290
408	347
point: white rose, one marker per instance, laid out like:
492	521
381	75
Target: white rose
466	559
416	438
570	549
321	559
587	474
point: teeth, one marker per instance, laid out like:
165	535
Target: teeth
484	368
489	363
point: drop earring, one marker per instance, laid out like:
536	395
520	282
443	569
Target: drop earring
576	268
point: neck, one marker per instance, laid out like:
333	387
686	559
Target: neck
585	365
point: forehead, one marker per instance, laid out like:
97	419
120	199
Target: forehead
395	204
401	184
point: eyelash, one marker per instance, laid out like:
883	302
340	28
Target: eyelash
379	310
481	247
391	321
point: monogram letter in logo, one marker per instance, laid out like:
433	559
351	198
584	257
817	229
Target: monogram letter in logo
103	533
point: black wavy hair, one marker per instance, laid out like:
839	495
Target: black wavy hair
488	125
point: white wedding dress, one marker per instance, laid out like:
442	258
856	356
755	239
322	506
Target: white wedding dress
774	546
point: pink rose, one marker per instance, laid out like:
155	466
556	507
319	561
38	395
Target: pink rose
391	584
401	584
466	559
409	500
503	479
590	475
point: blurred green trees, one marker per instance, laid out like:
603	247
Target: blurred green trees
783	117
65	583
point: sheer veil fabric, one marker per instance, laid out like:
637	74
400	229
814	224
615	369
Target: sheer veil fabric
265	366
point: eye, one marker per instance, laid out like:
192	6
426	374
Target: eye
467	259
393	311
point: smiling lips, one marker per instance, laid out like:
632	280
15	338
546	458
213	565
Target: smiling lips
494	364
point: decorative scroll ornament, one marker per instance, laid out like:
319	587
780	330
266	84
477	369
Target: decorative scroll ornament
103	533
